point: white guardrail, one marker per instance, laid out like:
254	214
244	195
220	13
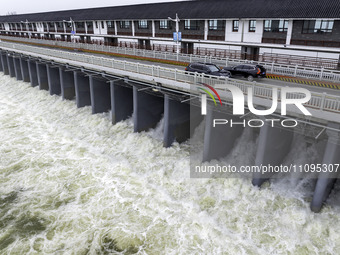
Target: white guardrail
273	68
319	101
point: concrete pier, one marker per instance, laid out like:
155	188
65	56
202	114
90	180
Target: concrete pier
273	146
11	67
24	69
4	62
327	179
82	89
121	102
53	79
17	68
100	95
219	140
176	121
147	109
67	84
42	76
32	70
1	65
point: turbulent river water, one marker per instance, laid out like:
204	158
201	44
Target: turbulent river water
72	183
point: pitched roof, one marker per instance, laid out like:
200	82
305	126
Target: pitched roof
200	9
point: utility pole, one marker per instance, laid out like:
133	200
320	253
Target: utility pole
177	20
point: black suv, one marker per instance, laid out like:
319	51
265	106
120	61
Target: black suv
207	68
248	71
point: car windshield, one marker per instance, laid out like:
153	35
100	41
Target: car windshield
213	68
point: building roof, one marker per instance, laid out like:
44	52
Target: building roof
200	9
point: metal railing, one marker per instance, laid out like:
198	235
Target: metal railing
320	101
273	68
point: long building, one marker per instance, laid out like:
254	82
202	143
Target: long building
304	27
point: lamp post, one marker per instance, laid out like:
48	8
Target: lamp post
73	27
177	20
27	28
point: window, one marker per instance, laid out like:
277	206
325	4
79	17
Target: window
143	24
252	25
89	24
102	24
235	25
59	25
164	24
125	24
51	24
96	24
317	26
216	24
191	25
78	24
110	24
276	25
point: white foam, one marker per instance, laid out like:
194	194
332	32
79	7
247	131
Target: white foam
89	183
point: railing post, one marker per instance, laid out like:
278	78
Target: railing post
227	62
272	70
137	67
323	101
295	71
321	73
195	78
175	74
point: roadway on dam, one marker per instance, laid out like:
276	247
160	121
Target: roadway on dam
265	81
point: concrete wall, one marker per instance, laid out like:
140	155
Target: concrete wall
146	32
192	34
328	37
165	32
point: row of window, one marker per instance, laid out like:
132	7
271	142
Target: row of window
309	26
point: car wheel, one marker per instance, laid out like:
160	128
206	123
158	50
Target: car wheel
250	78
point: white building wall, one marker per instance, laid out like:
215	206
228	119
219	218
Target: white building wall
96	27
103	29
40	27
255	37
230	35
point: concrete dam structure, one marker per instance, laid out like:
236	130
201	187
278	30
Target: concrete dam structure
149	98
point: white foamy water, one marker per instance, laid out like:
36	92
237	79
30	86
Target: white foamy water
71	183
